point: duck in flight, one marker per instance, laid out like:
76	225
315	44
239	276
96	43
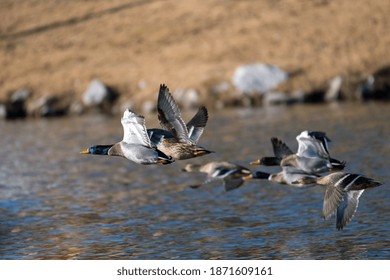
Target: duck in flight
312	155
288	175
342	193
135	146
182	139
195	128
231	174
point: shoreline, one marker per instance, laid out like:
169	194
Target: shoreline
55	49
22	104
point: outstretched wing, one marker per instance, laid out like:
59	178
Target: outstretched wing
321	136
280	148
332	198
207	181
231	184
347	208
134	129
169	115
309	146
197	124
222	172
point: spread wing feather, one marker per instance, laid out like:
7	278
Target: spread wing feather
332	198
169	115
347	208
309	146
197	124
280	148
134	129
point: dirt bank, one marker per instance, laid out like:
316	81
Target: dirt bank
57	47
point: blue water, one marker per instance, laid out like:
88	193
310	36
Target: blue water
58	204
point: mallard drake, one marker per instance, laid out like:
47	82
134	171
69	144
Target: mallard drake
135	146
280	149
288	175
230	173
312	156
342	194
182	145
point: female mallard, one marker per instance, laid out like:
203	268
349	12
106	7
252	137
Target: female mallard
181	146
231	174
135	146
195	128
342	194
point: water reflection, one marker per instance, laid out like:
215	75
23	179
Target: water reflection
58	204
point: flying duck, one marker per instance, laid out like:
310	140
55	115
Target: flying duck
195	128
288	175
230	173
312	156
183	144
135	146
342	193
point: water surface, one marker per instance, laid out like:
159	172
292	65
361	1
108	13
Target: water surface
58	204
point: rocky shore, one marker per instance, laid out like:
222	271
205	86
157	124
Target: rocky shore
252	85
61	58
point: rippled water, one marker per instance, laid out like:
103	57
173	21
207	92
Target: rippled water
58	204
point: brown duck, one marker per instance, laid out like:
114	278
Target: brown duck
183	144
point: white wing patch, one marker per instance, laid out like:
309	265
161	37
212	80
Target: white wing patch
222	172
134	129
310	147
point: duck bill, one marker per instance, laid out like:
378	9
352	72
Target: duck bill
165	161
256	162
202	152
86	151
247	177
